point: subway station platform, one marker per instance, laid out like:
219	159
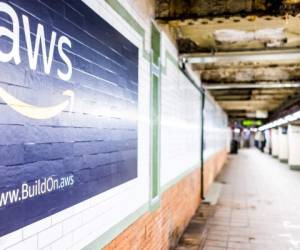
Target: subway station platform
257	207
122	122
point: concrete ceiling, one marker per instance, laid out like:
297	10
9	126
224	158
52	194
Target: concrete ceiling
247	52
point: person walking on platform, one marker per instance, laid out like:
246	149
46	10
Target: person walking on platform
260	140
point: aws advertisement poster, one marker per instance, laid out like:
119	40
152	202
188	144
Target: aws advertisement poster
68	108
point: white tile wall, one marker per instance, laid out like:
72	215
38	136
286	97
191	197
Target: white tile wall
72	223
215	128
36	227
294	144
10	239
180	122
275	141
49	235
27	244
283	152
62	243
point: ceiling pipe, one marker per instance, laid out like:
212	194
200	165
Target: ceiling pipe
259	85
240	56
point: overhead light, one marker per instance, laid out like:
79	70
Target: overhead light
262	114
289	118
237	130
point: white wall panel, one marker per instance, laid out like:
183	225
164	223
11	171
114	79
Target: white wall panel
294	145
283	144
180	125
216	134
275	142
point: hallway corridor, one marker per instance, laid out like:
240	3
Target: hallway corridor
258	207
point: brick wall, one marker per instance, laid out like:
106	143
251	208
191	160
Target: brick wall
212	167
162	228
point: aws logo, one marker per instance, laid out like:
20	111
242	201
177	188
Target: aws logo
33	50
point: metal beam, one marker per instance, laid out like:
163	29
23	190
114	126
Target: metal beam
242	56
261	85
167	10
247	65
251	75
249	105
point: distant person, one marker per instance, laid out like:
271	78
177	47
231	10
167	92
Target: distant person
260	140
256	139
246	138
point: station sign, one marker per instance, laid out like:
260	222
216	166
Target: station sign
251	123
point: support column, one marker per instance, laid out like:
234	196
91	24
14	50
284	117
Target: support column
283	144
294	145
275	146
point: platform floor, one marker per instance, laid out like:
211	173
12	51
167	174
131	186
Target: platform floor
258	208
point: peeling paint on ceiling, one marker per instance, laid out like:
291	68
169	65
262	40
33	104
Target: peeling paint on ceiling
244	26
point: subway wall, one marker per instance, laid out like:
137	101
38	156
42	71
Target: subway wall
217	137
91	129
215	128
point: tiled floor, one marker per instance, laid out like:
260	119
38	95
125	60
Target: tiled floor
259	207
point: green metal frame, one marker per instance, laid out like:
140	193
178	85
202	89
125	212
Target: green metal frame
155	70
128	18
295	167
202	107
283	160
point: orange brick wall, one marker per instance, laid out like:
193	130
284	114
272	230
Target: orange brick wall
212	168
162	228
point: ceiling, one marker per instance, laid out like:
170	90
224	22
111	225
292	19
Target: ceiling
247	52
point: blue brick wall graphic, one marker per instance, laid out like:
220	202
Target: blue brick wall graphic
79	152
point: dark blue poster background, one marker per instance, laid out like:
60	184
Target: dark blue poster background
85	149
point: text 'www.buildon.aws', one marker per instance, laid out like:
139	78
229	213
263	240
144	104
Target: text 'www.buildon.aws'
38	188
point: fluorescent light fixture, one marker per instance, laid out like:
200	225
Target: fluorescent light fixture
237	130
289	118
